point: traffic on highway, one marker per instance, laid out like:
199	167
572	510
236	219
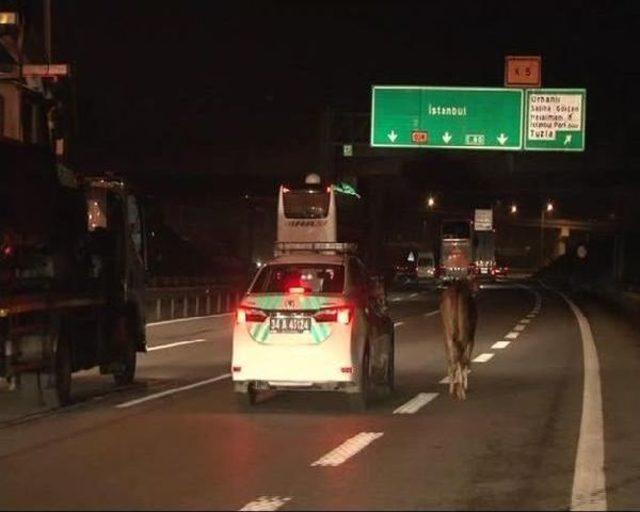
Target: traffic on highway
255	258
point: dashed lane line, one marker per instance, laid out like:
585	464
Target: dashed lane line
176	344
398	324
519	327
500	344
525	321
512	335
189	319
432	313
416	403
266	503
173	391
348	449
483	358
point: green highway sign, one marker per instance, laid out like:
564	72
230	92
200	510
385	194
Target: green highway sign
555	119
446	117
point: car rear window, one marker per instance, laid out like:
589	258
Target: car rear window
306	204
314	278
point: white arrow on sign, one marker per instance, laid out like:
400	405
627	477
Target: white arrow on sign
446	137
567	139
392	136
502	139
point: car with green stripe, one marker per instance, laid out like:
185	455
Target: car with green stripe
313	321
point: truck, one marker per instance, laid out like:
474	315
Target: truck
485	253
456	250
72	275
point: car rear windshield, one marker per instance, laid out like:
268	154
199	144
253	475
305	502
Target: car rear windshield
306	204
314	278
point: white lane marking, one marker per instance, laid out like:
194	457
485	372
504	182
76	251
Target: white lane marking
525	321
589	487
189	319
347	449
520	327
168	392
176	344
483	358
413	295
398	324
531	316
397	299
512	335
416	403
266	503
501	344
432	313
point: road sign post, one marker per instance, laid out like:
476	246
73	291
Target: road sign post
555	119
446	117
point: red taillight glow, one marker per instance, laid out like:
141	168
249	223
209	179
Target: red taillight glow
340	315
245	315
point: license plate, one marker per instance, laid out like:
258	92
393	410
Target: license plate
289	324
484	271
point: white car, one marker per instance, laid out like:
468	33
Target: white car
313	322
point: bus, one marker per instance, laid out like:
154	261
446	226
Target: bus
316	212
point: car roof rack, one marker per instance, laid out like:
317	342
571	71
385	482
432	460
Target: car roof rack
282	248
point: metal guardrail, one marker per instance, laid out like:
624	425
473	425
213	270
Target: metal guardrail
169	303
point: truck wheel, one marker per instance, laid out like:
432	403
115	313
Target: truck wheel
62	372
359	401
124	341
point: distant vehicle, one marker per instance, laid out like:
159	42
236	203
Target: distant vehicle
456	250
315	212
485	253
313	321
425	266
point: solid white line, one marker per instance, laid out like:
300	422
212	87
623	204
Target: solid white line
589	488
178	320
501	344
432	313
266	503
520	327
512	335
347	449
416	403
483	358
398	324
168	392
176	344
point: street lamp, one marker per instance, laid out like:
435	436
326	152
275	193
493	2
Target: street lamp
514	209
549	207
431	202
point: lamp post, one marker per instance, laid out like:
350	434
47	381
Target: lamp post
547	209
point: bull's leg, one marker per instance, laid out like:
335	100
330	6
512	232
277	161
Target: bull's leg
451	367
459	385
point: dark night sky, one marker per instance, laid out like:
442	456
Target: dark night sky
204	85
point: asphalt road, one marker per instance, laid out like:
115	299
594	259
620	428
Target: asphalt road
178	439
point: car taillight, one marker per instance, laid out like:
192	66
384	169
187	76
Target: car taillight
340	315
296	289
250	315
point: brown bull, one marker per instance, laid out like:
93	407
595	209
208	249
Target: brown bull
459	317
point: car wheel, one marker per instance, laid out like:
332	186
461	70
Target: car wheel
249	398
359	401
391	368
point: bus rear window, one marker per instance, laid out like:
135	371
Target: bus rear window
306	204
313	278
